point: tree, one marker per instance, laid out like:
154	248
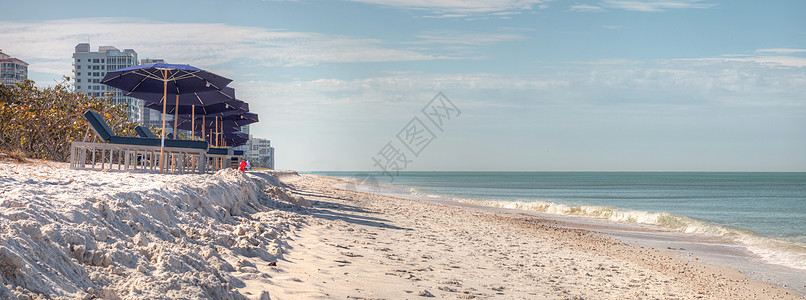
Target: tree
42	122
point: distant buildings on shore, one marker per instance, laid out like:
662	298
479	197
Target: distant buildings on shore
261	153
89	68
12	70
257	151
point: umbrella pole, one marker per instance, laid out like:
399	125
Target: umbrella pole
176	119
164	109
220	131
216	141
193	121
176	116
193	131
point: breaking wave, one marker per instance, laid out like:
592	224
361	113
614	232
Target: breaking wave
772	250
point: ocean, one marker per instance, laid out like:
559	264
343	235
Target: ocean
765	213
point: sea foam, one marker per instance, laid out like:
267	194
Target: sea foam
772	250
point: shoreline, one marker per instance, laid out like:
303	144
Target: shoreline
521	250
722	251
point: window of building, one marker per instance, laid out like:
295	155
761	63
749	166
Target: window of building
78	67
102	67
78	74
95	60
102	61
78	87
78	79
78	60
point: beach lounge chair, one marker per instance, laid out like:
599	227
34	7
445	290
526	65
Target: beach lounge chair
105	133
136	150
217	157
143	131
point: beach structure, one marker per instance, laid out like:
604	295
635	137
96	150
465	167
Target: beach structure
216	157
178	79
90	67
203	115
12	70
188	100
135	153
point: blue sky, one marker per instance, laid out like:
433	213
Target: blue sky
604	85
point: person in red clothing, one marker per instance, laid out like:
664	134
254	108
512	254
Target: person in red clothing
243	166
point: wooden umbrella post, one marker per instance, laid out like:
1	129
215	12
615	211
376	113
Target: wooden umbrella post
217	132
176	119
176	115
193	121
164	109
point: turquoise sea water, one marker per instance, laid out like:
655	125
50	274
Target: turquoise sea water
765	212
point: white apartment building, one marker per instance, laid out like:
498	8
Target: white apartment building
89	68
261	153
148	61
12	70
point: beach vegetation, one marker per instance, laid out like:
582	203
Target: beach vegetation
41	122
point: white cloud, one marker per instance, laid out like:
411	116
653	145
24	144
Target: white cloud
611	83
654	5
467	38
772	61
447	16
586	8
781	51
579	101
47	46
461	6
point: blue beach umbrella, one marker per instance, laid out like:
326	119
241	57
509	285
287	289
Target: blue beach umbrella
164	78
209	116
191	100
192	104
228	122
199	110
236	119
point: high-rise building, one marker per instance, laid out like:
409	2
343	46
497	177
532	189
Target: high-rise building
12	70
261	153
89	69
148	61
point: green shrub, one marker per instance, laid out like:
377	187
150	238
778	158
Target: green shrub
42	122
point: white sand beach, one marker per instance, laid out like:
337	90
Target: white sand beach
70	234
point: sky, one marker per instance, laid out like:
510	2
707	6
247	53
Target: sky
472	85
